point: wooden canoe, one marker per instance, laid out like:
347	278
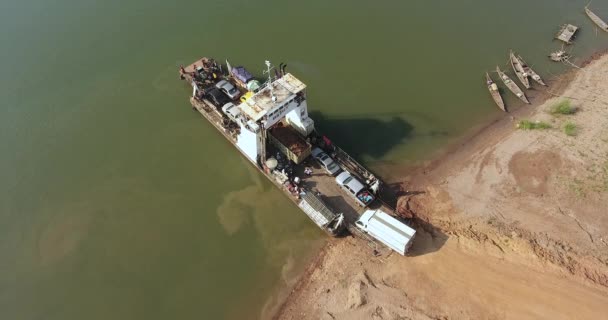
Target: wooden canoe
512	85
531	73
519	70
597	20
493	88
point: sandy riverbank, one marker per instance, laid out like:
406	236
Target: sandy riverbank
512	224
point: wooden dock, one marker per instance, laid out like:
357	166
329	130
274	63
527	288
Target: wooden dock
566	33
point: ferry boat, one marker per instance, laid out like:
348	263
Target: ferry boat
269	124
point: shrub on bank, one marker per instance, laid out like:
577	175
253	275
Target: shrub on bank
563	107
570	129
533	125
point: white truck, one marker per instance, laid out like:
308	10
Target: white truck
386	229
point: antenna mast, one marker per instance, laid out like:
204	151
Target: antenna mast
268	68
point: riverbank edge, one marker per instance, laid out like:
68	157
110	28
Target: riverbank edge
478	137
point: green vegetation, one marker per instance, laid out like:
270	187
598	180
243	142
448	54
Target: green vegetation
563	107
530	125
570	129
577	186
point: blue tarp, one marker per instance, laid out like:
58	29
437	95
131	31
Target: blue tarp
241	74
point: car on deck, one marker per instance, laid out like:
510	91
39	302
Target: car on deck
246	96
326	161
217	97
355	188
231	111
229	89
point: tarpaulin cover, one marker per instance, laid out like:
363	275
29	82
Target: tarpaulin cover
241	74
253	85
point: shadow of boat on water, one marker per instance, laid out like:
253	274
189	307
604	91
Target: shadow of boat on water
364	137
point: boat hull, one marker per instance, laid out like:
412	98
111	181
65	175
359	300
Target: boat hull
596	19
520	71
512	86
495	93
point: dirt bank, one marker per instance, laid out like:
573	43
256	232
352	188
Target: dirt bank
512	224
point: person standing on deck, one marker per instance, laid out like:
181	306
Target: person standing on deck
194	73
182	72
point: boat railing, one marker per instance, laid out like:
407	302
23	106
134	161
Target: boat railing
350	163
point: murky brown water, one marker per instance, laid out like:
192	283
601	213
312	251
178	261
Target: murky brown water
118	202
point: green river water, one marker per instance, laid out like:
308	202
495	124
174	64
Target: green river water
119	202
